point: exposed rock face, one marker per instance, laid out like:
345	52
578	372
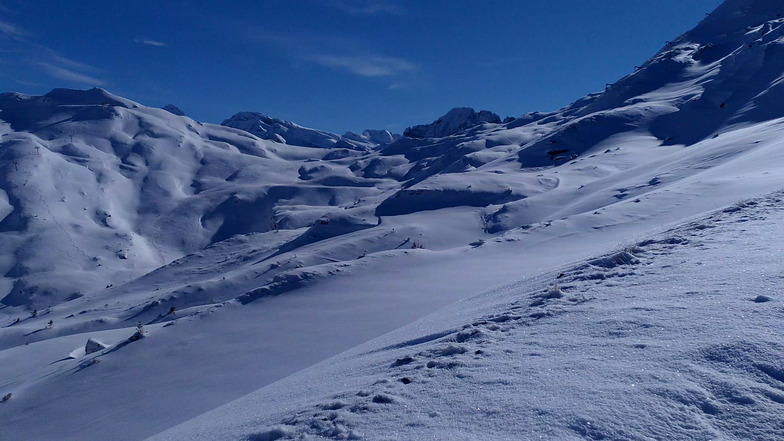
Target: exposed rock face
171	108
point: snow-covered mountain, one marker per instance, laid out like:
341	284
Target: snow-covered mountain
249	253
455	121
287	132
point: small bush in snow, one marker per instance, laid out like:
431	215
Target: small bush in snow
140	333
6	397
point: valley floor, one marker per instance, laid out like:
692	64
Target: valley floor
674	337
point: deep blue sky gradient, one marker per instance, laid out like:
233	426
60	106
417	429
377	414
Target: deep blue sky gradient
337	65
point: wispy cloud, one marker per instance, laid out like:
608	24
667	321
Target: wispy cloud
28	83
366	7
70	64
339	53
11	30
25	50
365	66
63	73
149	42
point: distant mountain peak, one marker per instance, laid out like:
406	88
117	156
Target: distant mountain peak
287	132
456	120
171	108
378	137
94	96
68	97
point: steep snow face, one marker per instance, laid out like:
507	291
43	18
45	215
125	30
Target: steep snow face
456	120
287	132
724	72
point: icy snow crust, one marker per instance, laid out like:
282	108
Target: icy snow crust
247	260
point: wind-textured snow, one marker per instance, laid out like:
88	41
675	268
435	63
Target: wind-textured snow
639	296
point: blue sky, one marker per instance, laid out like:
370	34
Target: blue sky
336	65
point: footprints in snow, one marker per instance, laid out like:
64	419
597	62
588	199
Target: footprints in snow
405	379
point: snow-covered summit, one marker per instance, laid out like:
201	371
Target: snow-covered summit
65	97
456	120
33	113
287	132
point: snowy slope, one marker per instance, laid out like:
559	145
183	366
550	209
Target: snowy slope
674	337
248	260
116	190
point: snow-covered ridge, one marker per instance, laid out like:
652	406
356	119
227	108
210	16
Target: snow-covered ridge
287	132
64	97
